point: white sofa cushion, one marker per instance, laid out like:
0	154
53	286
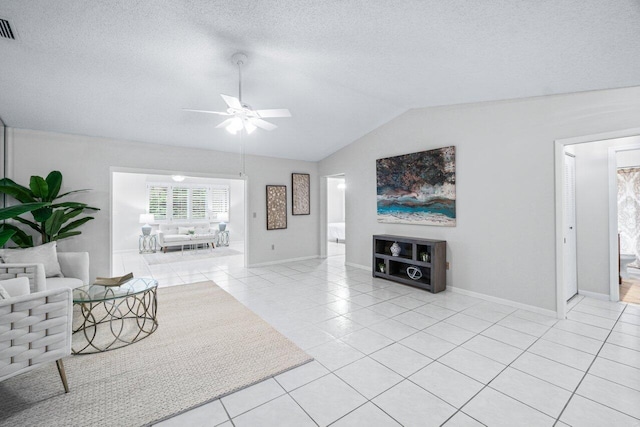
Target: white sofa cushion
63	282
44	254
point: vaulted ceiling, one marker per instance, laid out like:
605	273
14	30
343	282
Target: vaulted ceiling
124	69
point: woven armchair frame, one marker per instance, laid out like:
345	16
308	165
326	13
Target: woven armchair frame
35	329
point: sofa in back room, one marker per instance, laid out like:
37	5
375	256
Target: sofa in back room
178	234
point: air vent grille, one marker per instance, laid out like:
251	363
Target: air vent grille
5	30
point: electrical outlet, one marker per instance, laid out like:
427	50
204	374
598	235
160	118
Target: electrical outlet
447	265
273	247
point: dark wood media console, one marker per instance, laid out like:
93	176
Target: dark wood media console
428	257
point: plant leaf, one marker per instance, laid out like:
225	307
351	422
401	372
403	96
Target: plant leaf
39	187
5	236
14	211
61	236
71	192
75	224
20	238
53	224
69	205
31	224
16	191
41	215
54	181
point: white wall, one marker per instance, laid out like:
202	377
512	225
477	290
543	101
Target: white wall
335	200
86	162
504	241
129	201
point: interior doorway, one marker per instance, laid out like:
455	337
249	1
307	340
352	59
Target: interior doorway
336	215
597	244
207	212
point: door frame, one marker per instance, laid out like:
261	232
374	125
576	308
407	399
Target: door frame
575	240
559	146
116	169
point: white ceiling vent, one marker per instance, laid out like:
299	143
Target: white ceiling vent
6	32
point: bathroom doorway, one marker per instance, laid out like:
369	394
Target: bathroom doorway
628	218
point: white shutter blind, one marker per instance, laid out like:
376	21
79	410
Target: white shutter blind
198	203
180	203
220	200
158	202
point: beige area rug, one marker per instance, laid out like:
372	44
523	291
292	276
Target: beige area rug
207	345
188	255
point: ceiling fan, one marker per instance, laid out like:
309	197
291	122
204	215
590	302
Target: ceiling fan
242	115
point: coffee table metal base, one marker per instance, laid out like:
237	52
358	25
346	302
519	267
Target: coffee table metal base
107	325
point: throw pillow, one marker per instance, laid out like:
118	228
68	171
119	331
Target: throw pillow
3	293
44	254
183	230
16	286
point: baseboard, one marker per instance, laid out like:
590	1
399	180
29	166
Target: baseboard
362	267
125	251
282	261
503	301
596	295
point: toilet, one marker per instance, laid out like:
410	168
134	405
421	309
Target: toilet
625	260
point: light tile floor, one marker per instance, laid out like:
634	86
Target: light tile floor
388	354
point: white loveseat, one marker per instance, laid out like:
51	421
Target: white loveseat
178	235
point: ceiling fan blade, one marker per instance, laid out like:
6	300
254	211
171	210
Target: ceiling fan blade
220	113
232	101
279	112
225	123
262	124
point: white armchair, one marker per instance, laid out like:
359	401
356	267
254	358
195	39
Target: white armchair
74	266
35	328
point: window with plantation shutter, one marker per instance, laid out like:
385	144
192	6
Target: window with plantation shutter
158	201
188	202
220	201
179	203
199	203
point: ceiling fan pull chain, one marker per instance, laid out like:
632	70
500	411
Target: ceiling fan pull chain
240	81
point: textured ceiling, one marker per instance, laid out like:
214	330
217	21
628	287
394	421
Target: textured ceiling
124	69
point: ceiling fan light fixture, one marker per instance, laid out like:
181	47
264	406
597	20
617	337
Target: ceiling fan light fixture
235	125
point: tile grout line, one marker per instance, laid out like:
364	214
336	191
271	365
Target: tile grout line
497	375
587	372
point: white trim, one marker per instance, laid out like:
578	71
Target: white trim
282	261
559	144
596	295
360	266
503	301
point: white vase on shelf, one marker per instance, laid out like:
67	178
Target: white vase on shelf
395	249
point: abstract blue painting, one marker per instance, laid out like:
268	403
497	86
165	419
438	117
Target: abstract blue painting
418	188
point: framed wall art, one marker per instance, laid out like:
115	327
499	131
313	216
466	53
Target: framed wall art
300	194
276	207
418	188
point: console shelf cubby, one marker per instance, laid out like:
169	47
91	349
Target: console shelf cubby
428	256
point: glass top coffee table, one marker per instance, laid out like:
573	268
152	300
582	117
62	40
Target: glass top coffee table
113	316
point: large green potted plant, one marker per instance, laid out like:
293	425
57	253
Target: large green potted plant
52	219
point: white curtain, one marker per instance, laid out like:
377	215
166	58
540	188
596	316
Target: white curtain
629	210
